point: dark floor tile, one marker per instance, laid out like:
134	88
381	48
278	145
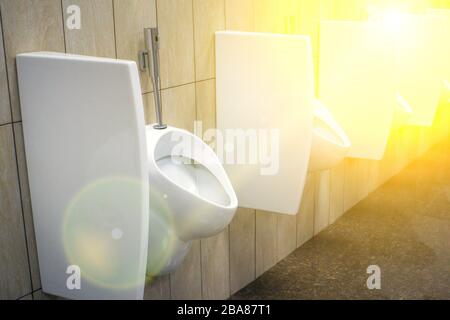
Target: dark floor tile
403	227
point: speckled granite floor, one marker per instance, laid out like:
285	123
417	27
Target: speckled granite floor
403	227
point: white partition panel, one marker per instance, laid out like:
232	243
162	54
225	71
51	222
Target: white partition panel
420	44
264	88
357	84
85	146
441	22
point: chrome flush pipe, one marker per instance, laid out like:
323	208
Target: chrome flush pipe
149	59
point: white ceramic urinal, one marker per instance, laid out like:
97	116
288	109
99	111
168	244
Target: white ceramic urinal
191	195
357	83
330	143
264	85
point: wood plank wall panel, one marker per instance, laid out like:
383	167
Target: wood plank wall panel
373	173
356	181
266	241
27	297
363	176
267	17
350	10
149	108
209	17
5	109
96	36
26	205
385	165
14	272
350	183
186	281
130	19
336	192
308	19
322	201
175	23
286	235
178	105
158	288
29	25
206	104
240	15
216	266
40	295
242	249
305	216
404	151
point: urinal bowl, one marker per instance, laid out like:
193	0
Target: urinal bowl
330	143
191	196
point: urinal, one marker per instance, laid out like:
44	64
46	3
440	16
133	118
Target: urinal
114	201
192	195
330	143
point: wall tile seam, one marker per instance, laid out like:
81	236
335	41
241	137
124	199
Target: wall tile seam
180	85
21	207
114	27
29	293
229	262
6	67
255	246
195	60
63	26
8	123
201	270
329	199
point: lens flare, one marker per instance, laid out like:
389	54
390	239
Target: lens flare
96	232
164	247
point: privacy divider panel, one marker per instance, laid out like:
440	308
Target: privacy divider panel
255	241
